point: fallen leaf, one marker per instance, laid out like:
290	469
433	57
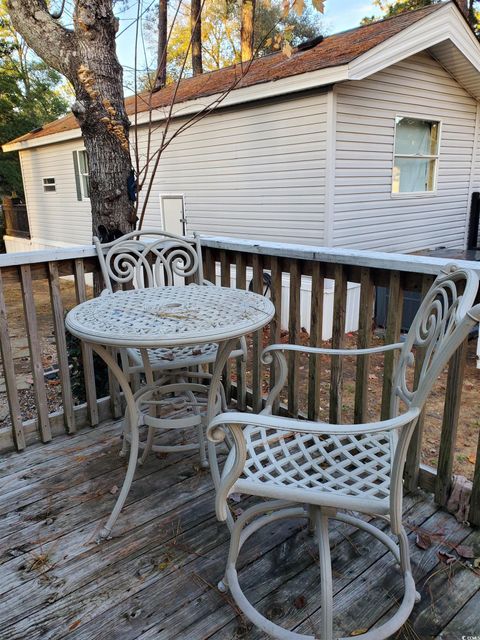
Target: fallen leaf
114	490
196	352
446	558
423	541
358	632
300	602
464	551
476	563
287	50
472	459
74	625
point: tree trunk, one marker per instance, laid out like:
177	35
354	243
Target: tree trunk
161	78
196	31
246	29
87	57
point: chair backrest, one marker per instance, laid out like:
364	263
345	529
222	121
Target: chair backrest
441	324
150	258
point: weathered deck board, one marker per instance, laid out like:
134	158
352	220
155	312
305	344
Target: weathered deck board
155	579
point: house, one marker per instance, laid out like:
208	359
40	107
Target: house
368	140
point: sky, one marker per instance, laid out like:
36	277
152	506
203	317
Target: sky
339	15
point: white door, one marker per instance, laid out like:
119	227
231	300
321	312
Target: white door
173	214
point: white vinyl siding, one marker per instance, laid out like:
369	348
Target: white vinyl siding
253	172
59	220
366	216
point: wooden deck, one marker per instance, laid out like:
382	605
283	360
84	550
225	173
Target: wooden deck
155	579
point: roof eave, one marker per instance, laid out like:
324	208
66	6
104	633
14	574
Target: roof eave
284	86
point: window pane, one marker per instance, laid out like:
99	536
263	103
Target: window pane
82	161
416	137
413	175
85	186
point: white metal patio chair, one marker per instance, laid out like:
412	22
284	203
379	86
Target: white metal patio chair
156	258
319	470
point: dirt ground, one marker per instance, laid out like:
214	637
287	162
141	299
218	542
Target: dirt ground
469	423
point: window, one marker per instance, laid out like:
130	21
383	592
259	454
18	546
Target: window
416	155
81	174
49	184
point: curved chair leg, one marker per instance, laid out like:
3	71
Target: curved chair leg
326	582
271	511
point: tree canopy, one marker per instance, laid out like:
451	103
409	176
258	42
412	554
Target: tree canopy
221	32
31	94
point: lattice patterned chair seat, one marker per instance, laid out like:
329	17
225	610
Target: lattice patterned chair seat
178	357
157	258
322	471
348	466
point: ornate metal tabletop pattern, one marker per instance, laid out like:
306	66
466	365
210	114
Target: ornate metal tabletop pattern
169	316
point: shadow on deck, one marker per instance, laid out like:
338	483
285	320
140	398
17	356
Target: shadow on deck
155	579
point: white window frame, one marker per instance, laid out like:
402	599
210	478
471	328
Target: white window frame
162	212
82	175
49	184
416	194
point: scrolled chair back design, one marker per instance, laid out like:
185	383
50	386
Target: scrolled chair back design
150	258
434	333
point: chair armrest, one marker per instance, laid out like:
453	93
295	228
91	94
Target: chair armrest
305	426
331	352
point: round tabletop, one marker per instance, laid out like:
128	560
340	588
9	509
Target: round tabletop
169	316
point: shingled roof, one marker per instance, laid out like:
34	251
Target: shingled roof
335	50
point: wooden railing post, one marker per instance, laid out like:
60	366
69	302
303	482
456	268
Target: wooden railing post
276	322
453	395
87	355
35	353
412	463
338	340
392	334
225	281
9	374
293	336
241	283
61	343
316	326
257	339
367	293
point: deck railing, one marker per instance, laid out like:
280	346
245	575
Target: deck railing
15	218
40	286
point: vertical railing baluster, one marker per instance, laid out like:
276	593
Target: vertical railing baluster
451	411
87	355
61	344
338	339
316	325
276	322
225	281
392	334
257	339
9	374
294	336
367	291
209	265
241	283
35	353
412	463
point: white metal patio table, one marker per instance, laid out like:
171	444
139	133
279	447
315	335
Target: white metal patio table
166	317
